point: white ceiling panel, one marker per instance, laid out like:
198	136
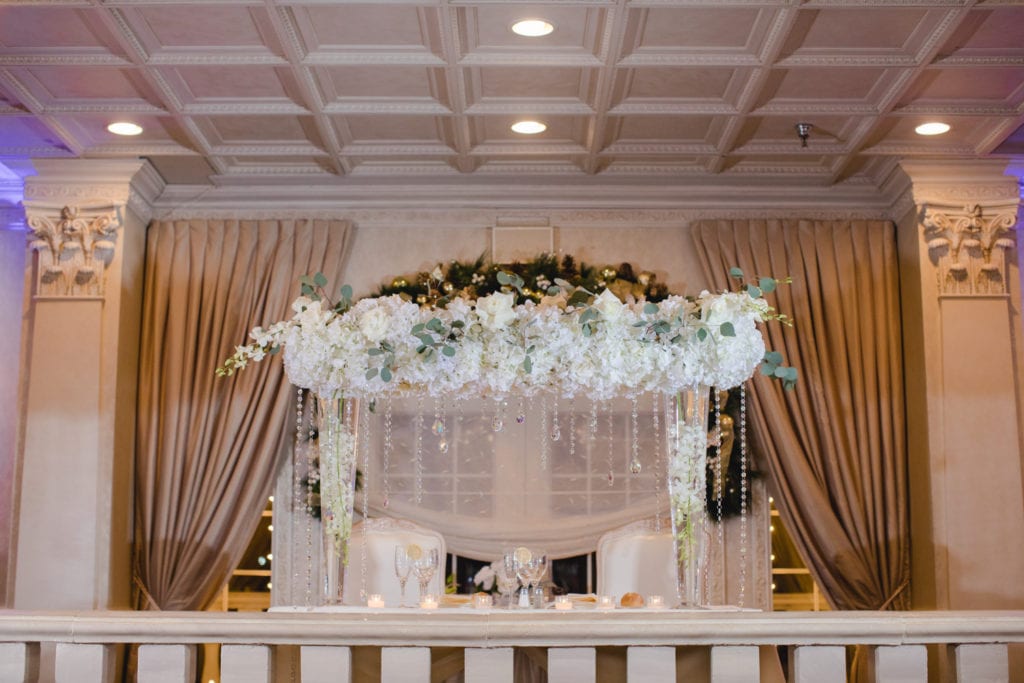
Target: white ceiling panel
315	90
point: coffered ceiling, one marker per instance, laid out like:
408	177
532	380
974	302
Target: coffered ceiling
318	92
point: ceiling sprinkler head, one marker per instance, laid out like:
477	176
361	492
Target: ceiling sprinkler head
803	131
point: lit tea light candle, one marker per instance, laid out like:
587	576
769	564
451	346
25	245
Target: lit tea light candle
655	602
376	601
428	602
482	601
563	602
606	602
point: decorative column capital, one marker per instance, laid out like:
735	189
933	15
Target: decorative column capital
75	244
969	248
966	211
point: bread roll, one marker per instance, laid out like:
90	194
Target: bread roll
632	600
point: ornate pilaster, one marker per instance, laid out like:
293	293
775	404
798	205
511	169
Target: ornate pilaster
75	245
969	248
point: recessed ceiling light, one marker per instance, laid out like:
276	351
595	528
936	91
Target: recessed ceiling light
124	128
932	128
532	28
529	127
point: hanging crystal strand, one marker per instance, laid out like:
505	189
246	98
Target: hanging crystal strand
498	422
719	488
743	495
418	454
634	464
298	505
520	412
312	478
387	454
611	442
439	427
544	432
572	429
659	443
556	430
719	483
365	436
592	429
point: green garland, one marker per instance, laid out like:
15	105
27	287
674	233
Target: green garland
478	278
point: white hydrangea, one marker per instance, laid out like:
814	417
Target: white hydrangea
500	347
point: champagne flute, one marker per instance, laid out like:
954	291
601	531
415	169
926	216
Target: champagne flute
424	568
403	565
507	575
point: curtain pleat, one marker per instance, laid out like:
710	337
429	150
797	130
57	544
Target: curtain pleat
835	446
207	447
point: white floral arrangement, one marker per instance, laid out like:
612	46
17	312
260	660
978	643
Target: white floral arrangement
571	342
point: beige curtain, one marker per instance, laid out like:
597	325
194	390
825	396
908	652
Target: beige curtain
835	447
207	447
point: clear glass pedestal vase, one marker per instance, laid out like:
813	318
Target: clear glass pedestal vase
687	482
337	464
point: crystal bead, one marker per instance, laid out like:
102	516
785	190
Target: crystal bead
442	445
497	424
438	427
635	467
611	478
556	435
520	419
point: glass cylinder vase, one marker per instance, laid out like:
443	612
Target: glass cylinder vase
687	477
337	444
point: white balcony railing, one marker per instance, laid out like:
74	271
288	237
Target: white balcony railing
85	643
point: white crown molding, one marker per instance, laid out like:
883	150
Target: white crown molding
714	194
384	106
948	185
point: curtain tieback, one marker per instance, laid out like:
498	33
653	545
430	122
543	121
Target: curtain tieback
895	594
145	593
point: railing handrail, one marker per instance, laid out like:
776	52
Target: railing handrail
465	627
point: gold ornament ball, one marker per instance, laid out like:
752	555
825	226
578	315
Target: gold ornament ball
609	273
421	298
448	287
399	282
645	278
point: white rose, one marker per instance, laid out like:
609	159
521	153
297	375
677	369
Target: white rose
609	305
495	311
374	324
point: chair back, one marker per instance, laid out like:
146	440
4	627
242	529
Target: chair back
637	558
382	534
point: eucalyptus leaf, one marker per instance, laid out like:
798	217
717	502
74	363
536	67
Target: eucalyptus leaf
702	334
650	308
553	290
274	350
375	352
458	324
346	292
773	357
563	284
532	348
418	327
448	350
727	330
320	280
371	373
767	369
736	273
754	291
385	374
767	285
780	373
503	278
528	364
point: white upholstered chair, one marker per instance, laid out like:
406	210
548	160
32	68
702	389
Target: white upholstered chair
382	534
637	558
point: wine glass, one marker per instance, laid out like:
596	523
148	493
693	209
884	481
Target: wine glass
424	567
403	565
531	567
507	575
